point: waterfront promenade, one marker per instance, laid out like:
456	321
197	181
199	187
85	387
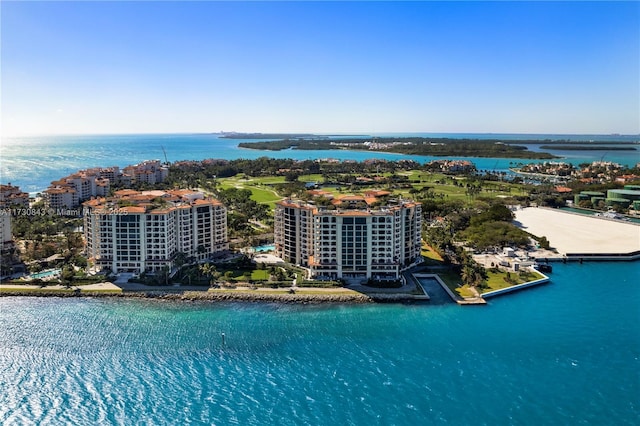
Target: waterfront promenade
572	233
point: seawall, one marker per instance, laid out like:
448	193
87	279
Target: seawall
227	296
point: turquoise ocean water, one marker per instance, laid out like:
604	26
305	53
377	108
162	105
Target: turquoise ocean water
564	353
33	162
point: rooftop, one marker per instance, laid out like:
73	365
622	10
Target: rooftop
158	202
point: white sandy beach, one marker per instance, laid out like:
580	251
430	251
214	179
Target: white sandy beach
575	233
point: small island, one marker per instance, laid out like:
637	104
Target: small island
437	147
236	135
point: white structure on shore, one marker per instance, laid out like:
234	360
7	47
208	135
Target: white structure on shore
358	242
137	231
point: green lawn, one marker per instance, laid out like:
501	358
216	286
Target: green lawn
430	254
238	275
261	192
496	280
262	187
450	278
241	180
269	180
465	291
311	178
259	274
453	281
264	196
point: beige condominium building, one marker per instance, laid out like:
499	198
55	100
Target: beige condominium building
70	191
136	231
5	228
12	196
352	241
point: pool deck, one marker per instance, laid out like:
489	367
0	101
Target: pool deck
579	235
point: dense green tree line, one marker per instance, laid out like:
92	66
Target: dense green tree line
481	225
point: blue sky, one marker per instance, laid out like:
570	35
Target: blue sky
136	67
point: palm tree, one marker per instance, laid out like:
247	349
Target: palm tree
162	276
208	271
191	274
66	276
468	275
478	278
180	259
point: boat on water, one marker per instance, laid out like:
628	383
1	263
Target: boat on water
543	268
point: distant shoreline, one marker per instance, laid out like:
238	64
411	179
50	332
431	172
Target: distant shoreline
314	136
587	147
424	146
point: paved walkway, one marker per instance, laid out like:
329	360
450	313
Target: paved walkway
88	287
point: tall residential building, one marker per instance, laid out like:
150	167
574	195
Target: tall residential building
354	241
137	231
293	230
5	228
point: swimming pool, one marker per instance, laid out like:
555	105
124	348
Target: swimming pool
266	247
45	274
